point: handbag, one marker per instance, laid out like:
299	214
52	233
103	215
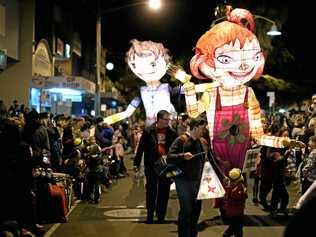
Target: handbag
162	168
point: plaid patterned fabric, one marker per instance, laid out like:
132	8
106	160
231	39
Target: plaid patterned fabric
228	98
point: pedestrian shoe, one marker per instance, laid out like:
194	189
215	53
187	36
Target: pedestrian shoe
120	175
149	221
273	214
265	206
226	234
284	212
161	221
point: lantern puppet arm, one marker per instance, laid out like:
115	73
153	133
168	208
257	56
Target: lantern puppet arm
125	114
256	128
194	107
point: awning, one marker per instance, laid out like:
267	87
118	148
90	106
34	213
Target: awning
70	82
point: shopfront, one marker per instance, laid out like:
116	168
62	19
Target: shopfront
62	95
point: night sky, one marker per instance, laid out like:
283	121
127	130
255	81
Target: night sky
180	23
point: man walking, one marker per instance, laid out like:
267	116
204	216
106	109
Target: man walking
154	143
189	155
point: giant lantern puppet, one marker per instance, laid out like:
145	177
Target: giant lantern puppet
230	54
148	61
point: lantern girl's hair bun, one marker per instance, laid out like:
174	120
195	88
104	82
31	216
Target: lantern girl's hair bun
241	17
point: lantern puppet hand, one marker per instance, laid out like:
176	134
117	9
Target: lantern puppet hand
293	143
178	73
190	89
125	114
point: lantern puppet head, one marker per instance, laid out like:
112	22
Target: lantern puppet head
229	52
148	60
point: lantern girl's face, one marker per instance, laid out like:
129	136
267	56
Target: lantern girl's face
233	65
148	67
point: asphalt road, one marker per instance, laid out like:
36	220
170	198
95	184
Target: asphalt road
121	213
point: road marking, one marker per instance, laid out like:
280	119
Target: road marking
111	207
55	226
119	207
127	220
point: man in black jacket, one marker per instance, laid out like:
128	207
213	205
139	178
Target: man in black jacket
154	143
189	155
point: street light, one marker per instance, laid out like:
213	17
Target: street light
109	66
153	4
272	32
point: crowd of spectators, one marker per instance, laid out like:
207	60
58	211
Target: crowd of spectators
39	148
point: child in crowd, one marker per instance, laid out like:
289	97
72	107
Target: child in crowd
119	153
234	203
95	170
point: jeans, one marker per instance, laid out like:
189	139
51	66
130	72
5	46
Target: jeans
190	207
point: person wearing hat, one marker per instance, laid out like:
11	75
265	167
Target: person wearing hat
234	203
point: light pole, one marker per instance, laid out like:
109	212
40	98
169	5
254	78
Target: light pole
97	98
153	4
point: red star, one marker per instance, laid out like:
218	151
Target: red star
210	189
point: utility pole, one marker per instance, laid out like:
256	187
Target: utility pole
97	97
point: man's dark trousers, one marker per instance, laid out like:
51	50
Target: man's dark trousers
190	207
157	195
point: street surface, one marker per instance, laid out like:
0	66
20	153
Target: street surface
121	213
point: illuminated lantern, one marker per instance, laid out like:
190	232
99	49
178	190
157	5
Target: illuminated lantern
230	54
148	61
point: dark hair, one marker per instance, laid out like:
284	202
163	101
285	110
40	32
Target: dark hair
195	122
161	113
98	120
313	139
